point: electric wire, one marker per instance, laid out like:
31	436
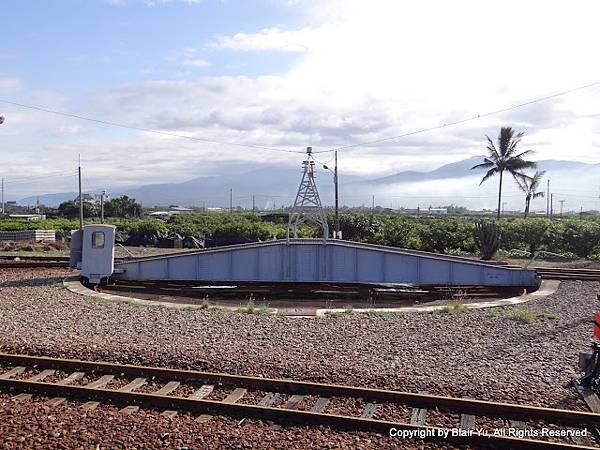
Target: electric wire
360	144
147	130
30	180
49	174
458	122
35	180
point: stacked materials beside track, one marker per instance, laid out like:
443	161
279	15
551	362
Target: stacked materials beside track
28	235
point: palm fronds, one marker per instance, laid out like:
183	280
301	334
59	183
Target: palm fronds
504	157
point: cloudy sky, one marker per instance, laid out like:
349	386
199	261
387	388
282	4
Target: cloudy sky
285	74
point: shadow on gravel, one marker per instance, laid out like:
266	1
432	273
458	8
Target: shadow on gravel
515	344
27	282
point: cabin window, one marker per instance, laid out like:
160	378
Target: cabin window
98	239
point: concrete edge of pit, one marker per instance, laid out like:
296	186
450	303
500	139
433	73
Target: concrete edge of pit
548	287
73	284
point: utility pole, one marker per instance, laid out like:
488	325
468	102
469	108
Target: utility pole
80	196
336	233
561	206
548	199
253	204
373	203
418	210
337	199
230	200
551	205
102	206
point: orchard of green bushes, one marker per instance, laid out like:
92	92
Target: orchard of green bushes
571	237
578	237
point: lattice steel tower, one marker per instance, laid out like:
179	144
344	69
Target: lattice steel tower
307	206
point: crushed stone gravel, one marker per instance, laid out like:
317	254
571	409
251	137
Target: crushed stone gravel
484	354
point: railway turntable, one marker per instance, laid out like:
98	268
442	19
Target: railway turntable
291	260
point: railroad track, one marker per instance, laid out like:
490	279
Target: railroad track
285	401
559	273
33	264
33	258
228	289
9	261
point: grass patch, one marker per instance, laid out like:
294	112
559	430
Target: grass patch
496	312
518	314
205	304
521	315
453	309
250	308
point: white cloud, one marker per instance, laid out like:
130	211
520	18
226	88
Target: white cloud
420	65
187	56
272	39
196	62
150	2
9	83
364	71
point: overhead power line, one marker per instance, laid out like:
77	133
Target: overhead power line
147	130
35	177
261	147
458	122
36	180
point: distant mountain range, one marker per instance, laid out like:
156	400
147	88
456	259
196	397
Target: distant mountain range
462	169
453	183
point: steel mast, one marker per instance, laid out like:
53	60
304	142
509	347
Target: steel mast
307	206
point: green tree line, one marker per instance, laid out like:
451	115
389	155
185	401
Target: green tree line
580	237
124	207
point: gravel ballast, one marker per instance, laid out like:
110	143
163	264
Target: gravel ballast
485	354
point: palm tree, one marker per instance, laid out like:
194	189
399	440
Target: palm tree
529	186
505	158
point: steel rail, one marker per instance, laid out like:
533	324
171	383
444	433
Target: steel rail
470	406
32	264
570	278
566	273
33	258
567	269
279	414
302	290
